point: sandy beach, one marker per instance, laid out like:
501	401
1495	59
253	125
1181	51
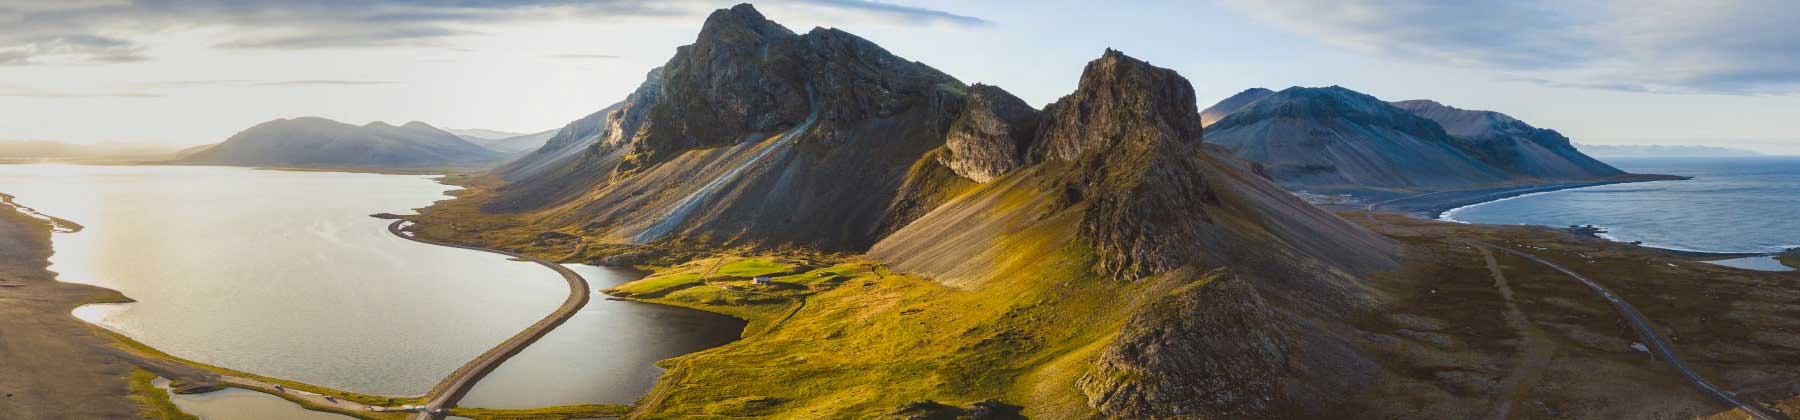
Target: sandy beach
59	367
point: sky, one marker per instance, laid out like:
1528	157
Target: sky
187	72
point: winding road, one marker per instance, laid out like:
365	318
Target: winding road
1658	346
453	387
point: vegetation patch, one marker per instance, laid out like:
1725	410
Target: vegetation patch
156	401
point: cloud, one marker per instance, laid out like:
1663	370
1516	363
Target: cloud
102	31
12	91
586	56
178	84
1663	46
898	13
303	83
106	31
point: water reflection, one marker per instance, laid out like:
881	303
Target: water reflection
604	354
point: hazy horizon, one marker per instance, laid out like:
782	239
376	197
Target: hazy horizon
180	73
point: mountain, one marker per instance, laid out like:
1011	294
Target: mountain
1336	137
519	144
319	142
1651	150
1188	273
1510	144
477	135
752	134
505	142
1218	111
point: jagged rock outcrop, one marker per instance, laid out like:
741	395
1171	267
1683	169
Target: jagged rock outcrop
1120	101
1310	138
1125	151
992	135
752	134
1218	350
1133	130
1510	144
1219	110
319	142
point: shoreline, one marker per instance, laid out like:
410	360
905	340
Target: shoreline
1442	206
1435	205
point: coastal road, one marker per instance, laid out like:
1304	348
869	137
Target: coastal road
1658	346
452	388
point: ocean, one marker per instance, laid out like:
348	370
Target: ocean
1732	205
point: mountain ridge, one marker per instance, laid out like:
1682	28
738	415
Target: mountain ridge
320	142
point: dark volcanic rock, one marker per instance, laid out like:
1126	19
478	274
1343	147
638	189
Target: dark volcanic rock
753	134
1120	101
992	135
1132	129
1219	350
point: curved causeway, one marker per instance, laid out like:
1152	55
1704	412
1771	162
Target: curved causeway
453	387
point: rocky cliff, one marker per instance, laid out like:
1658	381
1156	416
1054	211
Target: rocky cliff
991	135
319	142
1119	179
1510	144
753	134
1220	350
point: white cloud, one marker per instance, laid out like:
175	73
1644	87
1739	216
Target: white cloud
105	31
1668	46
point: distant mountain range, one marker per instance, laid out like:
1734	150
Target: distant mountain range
1334	137
1619	150
504	142
319	142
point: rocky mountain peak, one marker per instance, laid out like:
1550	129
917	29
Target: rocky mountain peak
739	26
992	135
1120	99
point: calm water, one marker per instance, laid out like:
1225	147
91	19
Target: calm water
233	403
284	274
610	343
1731	205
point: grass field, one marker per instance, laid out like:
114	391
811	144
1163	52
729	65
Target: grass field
156	401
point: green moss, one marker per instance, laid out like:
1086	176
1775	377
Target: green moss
155	401
751	267
1791	259
855	340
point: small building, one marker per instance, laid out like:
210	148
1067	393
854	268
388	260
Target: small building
761	280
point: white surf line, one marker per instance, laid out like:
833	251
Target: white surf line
1450	215
679	214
